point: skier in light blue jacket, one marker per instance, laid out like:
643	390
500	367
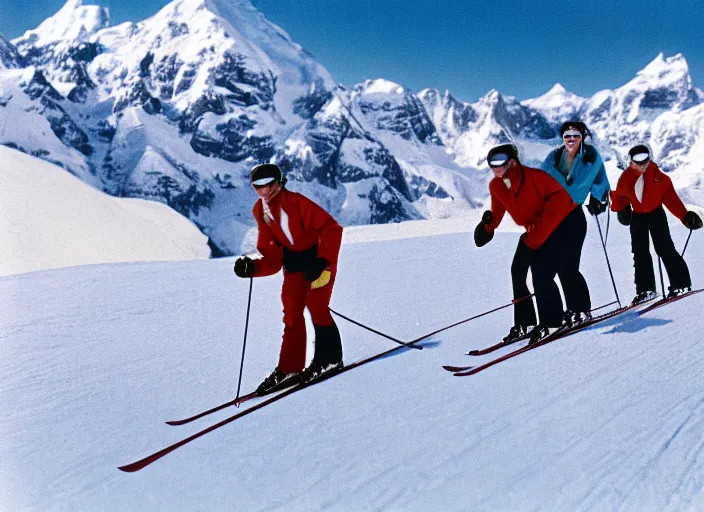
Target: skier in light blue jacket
578	167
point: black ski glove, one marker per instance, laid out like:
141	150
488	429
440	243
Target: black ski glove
596	207
481	235
316	268
244	266
625	215
691	220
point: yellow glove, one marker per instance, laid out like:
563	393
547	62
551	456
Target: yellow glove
321	281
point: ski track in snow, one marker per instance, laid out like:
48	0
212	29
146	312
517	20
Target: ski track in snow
94	359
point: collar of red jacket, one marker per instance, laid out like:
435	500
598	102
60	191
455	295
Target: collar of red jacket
652	170
515	174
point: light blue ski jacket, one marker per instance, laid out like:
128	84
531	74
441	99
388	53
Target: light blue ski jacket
586	175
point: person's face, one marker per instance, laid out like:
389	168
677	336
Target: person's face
572	139
267	192
640	167
501	171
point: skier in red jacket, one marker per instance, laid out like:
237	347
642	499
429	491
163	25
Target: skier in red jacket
298	235
641	192
539	203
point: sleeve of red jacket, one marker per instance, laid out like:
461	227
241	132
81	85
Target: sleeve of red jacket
618	200
328	230
498	210
558	204
671	200
271	258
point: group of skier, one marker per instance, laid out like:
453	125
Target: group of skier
547	203
300	236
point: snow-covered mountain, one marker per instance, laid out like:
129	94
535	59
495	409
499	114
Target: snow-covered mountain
178	107
470	130
626	115
9	58
51	219
557	105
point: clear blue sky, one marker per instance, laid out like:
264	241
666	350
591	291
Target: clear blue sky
519	47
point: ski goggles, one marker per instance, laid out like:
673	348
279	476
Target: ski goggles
572	134
498	160
640	158
263	183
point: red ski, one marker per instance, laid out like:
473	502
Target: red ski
665	301
471	370
142	463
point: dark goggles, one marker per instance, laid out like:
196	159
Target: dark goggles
263	183
498	160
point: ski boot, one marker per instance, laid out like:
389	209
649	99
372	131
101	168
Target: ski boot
539	333
568	319
674	292
278	380
316	371
643	297
579	318
518	332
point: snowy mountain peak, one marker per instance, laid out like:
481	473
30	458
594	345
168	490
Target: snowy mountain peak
491	97
557	96
661	66
557	89
73	21
380	86
557	105
662	73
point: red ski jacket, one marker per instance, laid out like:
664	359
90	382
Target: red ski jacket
535	200
296	223
657	191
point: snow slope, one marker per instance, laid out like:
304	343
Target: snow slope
51	219
94	359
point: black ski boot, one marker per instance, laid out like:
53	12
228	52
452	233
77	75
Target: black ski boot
643	297
674	292
580	318
328	353
518	332
538	334
316	371
568	319
278	380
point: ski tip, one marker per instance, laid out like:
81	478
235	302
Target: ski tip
455	369
472	353
175	423
130	468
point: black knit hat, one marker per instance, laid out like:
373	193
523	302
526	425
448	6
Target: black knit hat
640	153
263	174
499	155
574	125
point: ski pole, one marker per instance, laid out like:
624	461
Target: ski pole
244	344
374	330
410	344
686	243
514	301
662	281
602	307
613	282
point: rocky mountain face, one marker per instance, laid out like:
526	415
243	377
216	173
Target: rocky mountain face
178	107
9	57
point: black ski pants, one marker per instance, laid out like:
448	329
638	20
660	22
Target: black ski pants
655	224
523	311
560	256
